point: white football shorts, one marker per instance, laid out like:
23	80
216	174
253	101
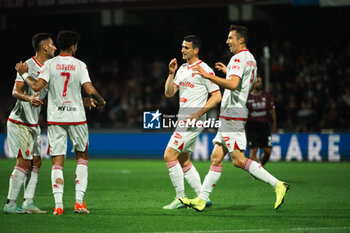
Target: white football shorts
184	142
57	138
231	135
25	139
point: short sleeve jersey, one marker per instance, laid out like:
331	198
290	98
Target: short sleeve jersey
65	76
193	89
24	112
233	105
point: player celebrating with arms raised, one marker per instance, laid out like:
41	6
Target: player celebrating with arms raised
194	103
240	75
65	76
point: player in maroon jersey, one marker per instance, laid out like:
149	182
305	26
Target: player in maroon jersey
261	121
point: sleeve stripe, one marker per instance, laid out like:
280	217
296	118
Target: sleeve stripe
215	91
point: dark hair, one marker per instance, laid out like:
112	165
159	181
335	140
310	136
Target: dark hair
242	31
38	39
196	41
65	39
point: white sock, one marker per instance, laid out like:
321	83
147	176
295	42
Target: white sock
260	173
57	189
16	180
30	186
177	177
192	176
210	181
81	180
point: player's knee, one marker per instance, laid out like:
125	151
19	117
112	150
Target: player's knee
216	160
170	154
168	157
82	155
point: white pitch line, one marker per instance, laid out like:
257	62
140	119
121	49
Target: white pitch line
261	230
318	228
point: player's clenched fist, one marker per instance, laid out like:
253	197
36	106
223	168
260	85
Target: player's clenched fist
172	66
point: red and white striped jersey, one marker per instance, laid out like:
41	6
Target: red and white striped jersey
24	112
65	76
233	105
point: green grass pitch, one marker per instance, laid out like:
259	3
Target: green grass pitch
128	195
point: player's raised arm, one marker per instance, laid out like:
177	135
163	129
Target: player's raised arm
36	85
230	83
170	86
92	92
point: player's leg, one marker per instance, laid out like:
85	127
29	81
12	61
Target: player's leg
81	181
57	182
32	178
57	139
266	145
253	154
176	176
213	176
266	155
190	172
256	170
79	137
211	179
253	142
18	144
16	181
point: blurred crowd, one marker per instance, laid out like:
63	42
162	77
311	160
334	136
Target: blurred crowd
310	86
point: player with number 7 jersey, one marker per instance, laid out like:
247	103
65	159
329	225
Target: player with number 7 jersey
65	75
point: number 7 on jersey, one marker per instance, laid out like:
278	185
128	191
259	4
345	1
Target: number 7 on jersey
67	75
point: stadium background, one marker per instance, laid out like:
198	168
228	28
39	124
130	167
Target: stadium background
128	44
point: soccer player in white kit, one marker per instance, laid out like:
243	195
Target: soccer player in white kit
65	76
240	75
23	131
194	103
